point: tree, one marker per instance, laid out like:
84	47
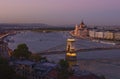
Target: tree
21	51
63	72
102	77
63	64
35	57
6	72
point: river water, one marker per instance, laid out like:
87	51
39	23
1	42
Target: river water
38	41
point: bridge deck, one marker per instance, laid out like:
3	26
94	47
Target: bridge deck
78	51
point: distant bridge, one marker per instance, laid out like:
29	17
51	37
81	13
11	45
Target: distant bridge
3	36
7	34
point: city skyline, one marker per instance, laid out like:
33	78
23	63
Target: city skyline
60	12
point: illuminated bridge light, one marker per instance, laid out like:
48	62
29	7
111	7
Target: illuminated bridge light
71	54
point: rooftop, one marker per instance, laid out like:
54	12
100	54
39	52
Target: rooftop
24	62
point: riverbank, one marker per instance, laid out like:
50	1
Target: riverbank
7	34
5	50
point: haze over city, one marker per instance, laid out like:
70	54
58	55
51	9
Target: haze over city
60	12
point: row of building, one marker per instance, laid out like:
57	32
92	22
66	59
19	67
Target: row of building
46	70
4	49
33	70
83	31
100	34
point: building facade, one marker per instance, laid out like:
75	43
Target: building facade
80	30
4	49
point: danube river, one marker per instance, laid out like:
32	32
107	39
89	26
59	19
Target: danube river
101	62
37	41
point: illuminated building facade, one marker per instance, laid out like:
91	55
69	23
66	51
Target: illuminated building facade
81	30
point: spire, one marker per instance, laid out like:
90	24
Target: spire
82	23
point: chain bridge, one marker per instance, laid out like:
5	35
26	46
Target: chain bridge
61	49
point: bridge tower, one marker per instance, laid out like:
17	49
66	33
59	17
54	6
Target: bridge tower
70	52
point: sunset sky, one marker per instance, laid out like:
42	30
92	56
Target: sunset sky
60	12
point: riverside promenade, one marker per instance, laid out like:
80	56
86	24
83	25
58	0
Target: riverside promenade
4	49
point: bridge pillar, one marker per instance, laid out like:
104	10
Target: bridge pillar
70	52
